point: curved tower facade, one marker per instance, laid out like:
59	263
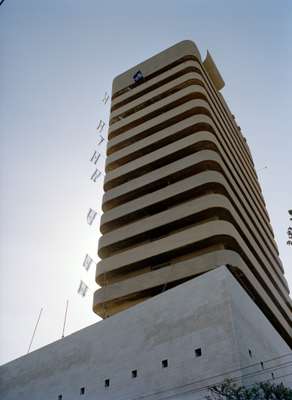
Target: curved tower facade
182	195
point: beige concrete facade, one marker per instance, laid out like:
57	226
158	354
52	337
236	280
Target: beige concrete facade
181	192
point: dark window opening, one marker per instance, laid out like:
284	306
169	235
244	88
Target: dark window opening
164	363
198	352
262	365
134	373
82	391
250	353
106	383
60	397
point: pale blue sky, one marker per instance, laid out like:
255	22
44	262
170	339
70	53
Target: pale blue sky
57	59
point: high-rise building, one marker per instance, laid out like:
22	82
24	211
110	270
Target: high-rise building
185	227
182	195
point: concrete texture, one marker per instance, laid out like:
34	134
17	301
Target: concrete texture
212	313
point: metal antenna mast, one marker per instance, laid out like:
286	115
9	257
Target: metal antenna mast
65	318
35	328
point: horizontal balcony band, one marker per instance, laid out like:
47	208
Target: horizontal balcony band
169	273
217	98
153	110
197	106
201	140
173	101
187	80
211	109
169	153
163	61
145	91
163	198
155	180
178	193
193	211
193	142
146	183
183	243
178	243
159	94
212	231
139	141
117	292
142	148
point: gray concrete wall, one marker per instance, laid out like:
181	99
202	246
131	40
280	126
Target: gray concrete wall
253	333
211	312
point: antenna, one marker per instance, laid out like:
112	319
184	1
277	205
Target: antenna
35	328
65	319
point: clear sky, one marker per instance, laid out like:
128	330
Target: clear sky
57	58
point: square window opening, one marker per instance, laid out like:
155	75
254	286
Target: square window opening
60	397
82	391
198	352
134	373
106	383
164	363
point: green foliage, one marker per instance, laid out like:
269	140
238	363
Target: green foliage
260	391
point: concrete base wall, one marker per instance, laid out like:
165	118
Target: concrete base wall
211	313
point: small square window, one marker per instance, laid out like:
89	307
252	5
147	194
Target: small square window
82	391
60	397
198	352
106	383
164	363
134	373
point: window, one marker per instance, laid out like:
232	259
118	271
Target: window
262	365
250	353
164	363
198	352
60	397
82	391
134	373
106	383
